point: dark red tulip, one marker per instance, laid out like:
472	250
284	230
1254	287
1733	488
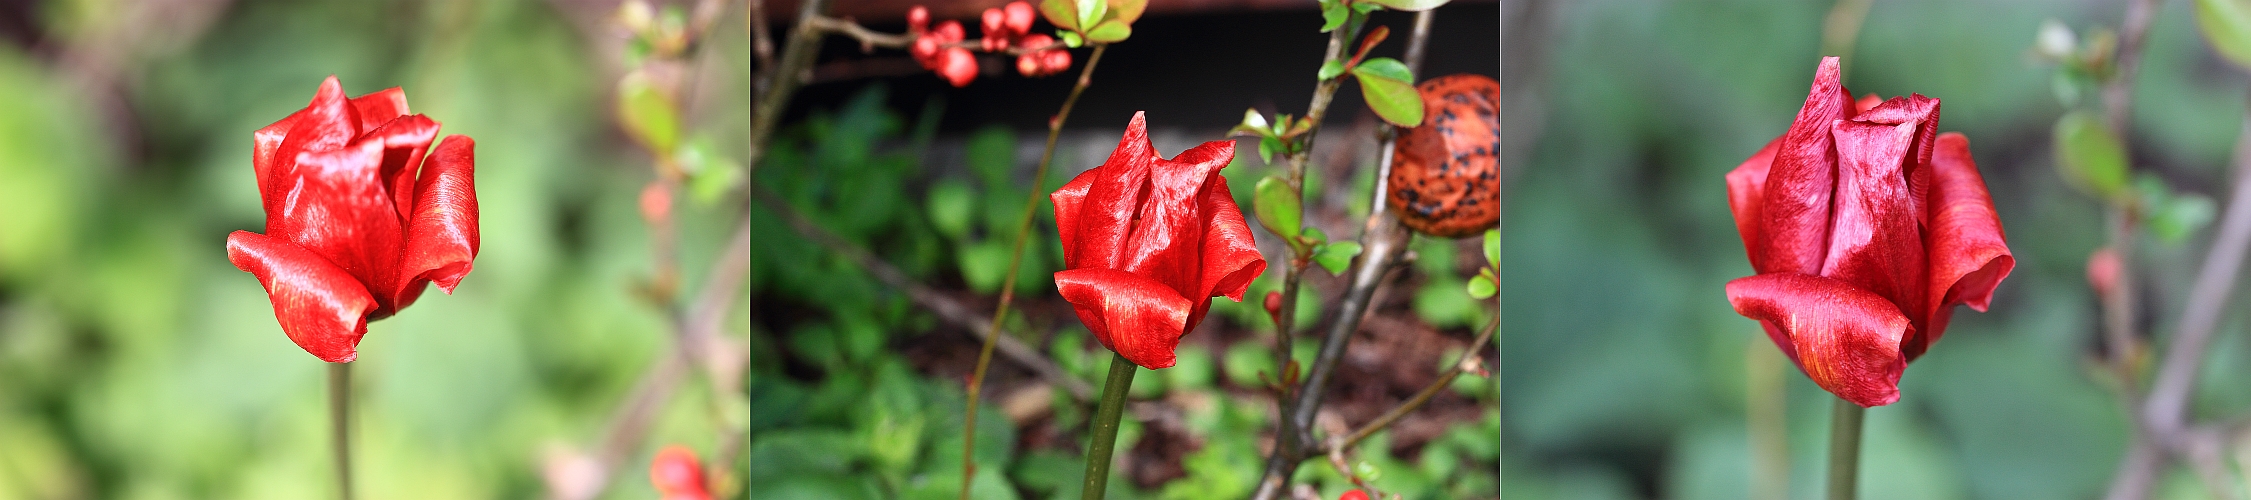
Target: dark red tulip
358	218
1866	227
1147	242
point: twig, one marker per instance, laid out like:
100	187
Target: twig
1016	259
782	80
869	39
2137	471
1423	396
1382	241
761	40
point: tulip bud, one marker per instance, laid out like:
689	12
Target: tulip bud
1018	17
1274	306
957	66
918	19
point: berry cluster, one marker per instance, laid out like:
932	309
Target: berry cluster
940	49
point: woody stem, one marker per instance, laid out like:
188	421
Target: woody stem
340	420
1105	439
1844	449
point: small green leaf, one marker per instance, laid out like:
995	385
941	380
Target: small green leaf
2226	24
1278	207
1071	39
1481	288
984	264
1493	247
1329	70
1253	124
1335	257
1110	31
2172	216
2089	157
646	113
1407	5
1390	90
1365	8
1267	146
1314	236
952	207
1090	14
1061	13
1333	15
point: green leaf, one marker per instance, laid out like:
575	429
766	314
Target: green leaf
1071	39
2226	24
952	207
1390	90
1127	11
1493	247
1481	288
710	173
1090	14
984	264
1406	5
2089	157
1253	124
1110	31
647	114
1337	256
1061	13
1329	70
1333	14
1267	146
1314	235
1278	207
2172	216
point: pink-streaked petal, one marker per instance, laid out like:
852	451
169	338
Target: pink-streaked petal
441	238
380	107
1137	317
1167	236
1969	253
1230	258
1867	102
405	140
1800	183
335	208
1846	339
321	308
1746	190
1875	241
1108	212
1068	202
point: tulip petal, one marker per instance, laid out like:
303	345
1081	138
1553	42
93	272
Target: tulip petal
336	209
1137	317
405	140
1969	254
1846	339
1168	233
380	107
1109	211
1875	241
1799	185
1923	112
265	159
1067	204
1746	190
322	308
1230	258
441	238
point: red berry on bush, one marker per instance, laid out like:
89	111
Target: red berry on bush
957	66
918	19
1017	17
948	32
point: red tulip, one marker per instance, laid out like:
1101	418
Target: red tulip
1865	227
356	220
677	475
1148	241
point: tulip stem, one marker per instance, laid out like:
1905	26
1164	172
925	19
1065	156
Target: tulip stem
340	419
1844	449
1105	439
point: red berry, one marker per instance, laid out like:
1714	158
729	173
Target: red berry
957	66
925	51
1057	61
993	23
1019	17
1034	41
918	19
1353	495
675	472
948	32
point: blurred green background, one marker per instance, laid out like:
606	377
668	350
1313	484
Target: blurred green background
1627	375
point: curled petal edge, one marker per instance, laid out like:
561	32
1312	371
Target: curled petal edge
320	307
1846	339
1138	317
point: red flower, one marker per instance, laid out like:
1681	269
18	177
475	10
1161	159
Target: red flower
1148	241
1865	227
356	220
677	474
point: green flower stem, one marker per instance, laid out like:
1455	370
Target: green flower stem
1844	449
1015	259
1106	427
340	416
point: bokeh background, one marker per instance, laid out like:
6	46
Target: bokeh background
1627	375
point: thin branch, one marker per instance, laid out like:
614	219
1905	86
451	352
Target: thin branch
783	79
869	39
1382	241
1461	364
761	41
2138	469
945	307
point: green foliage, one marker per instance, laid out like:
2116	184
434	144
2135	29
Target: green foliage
1390	91
1277	207
2226	24
1407	5
1335	256
2090	157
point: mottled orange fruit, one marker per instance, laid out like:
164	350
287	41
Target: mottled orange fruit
1446	174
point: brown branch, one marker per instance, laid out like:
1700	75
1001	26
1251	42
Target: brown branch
1461	364
869	39
782	80
761	41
